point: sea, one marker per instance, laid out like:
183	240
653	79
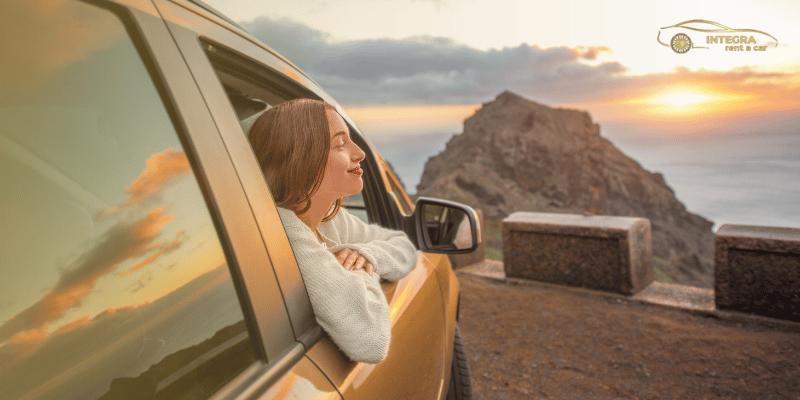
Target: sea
748	179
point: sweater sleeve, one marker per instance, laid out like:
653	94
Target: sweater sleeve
349	305
390	251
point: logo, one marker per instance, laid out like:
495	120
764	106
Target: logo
704	34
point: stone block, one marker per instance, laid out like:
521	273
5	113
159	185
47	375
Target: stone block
757	270
600	252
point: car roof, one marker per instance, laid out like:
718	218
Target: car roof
216	12
241	31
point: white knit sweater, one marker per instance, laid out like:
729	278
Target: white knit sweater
350	305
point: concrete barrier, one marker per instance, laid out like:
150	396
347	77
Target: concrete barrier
599	252
757	270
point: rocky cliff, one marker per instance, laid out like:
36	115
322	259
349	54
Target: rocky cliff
519	155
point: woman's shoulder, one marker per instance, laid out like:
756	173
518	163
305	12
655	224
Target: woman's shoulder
289	218
286	213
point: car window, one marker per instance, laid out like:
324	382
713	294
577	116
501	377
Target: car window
114	282
252	90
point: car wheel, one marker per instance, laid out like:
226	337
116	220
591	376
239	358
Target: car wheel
460	385
681	43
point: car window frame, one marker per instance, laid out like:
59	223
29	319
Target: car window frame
398	192
243	68
373	192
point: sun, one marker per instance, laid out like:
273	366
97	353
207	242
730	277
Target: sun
686	101
680	99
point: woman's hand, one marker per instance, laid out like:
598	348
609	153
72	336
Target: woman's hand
352	260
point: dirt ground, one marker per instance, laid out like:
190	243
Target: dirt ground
538	341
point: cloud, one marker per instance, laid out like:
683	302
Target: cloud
591	52
117	341
427	69
140	283
163	249
25	343
28	337
160	169
122	242
73	325
437	70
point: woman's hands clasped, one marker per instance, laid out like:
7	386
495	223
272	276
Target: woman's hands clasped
352	260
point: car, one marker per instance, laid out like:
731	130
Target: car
702	34
144	256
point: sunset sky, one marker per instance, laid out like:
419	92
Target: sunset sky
420	66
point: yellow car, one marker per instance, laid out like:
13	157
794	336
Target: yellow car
143	256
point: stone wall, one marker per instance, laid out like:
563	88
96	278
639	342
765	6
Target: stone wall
757	269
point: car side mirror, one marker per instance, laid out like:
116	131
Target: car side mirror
444	226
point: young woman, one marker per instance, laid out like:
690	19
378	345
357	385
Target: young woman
310	162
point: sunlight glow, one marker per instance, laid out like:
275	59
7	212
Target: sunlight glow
410	118
681	99
688	101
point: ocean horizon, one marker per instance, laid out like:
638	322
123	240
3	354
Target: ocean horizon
729	179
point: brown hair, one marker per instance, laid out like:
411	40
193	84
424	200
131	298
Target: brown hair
291	142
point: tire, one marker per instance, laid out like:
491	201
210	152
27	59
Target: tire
681	43
460	378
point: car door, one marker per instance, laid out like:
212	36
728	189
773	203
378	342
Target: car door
418	362
400	201
132	263
235	73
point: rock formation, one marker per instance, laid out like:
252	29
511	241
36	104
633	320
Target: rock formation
519	155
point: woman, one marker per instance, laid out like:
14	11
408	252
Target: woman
310	163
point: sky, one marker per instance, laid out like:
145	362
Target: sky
411	67
720	125
627	28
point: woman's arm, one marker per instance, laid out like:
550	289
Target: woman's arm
390	251
349	305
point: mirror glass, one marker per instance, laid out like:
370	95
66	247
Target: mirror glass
446	227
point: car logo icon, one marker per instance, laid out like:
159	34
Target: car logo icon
704	34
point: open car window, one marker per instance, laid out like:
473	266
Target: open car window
252	90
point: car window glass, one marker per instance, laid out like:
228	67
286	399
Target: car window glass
114	283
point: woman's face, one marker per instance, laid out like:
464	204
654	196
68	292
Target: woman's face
342	176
